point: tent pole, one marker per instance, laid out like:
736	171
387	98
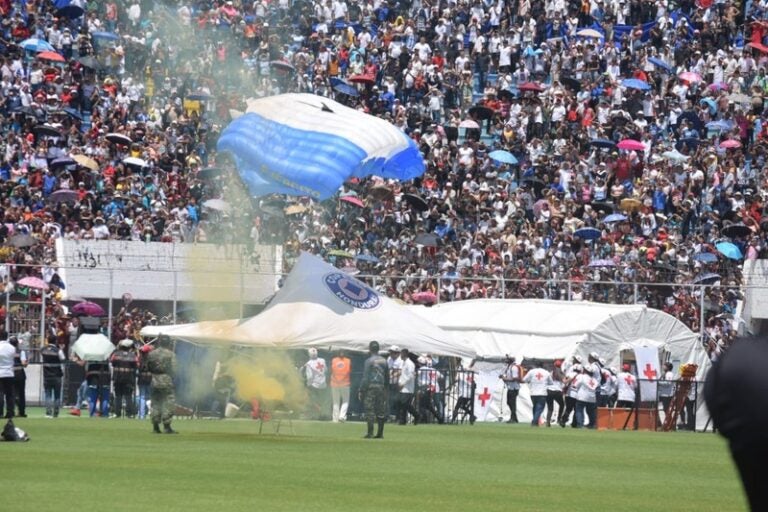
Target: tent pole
701	314
111	293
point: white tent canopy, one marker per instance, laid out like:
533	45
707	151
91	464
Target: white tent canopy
320	306
546	329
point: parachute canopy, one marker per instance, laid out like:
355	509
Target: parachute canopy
307	145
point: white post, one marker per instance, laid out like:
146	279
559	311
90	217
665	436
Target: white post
109	312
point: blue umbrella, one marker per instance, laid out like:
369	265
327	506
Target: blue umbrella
721	125
73	113
601	263
634	83
588	233
502	156
37	45
105	35
710	103
661	64
70	11
708	278
367	258
199	96
345	88
603	143
705	257
615	217
729	250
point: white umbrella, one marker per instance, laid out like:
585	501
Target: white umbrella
675	156
93	347
218	205
137	162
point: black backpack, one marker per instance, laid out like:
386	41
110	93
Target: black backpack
11	433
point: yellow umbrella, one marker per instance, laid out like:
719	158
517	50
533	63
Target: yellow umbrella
295	209
86	162
630	204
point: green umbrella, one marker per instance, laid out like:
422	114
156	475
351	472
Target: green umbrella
340	254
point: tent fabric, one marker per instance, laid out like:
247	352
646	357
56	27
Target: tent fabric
548	329
322	307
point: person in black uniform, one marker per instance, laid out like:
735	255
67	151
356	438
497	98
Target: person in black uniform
373	390
19	377
53	358
124	367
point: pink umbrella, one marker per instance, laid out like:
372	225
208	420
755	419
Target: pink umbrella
469	123
353	200
689	76
33	282
86	308
425	297
717	86
631	145
730	144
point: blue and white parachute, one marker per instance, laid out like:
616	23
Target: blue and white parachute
307	145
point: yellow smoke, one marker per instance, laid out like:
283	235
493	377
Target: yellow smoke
269	377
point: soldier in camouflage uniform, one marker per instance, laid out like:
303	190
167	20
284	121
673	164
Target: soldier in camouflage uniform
162	364
373	390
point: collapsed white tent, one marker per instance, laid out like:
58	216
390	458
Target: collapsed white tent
549	329
320	306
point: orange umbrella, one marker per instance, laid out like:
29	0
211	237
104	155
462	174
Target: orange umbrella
52	56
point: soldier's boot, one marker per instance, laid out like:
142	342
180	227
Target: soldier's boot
156	428
168	429
380	429
370	430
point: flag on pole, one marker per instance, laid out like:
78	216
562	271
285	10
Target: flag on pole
647	359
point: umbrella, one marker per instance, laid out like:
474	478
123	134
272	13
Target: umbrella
52	56
93	347
736	230
118	138
710	103
33	282
105	35
199	96
469	123
631	145
708	278
73	113
37	45
570	83
729	250
425	297
363	79
502	156
368	258
615	217
22	241
721	125
730	144
675	156
665	267
46	130
210	172
426	239
62	161
630	204
352	200
338	253
603	207
416	202
345	88
705	257
758	46
588	233
530	86
717	86
87	162
689	76
63	196
589	32
135	162
603	143
660	64
70	11
538	206
381	192
87	308
601	263
281	65
90	62
481	112
217	204
295	209
634	83
739	98
505	94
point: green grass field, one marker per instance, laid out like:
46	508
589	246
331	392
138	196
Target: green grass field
88	464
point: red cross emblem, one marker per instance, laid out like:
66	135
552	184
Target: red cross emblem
649	372
484	397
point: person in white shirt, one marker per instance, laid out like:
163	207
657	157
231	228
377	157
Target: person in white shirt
666	387
511	377
609	387
406	384
7	355
627	384
394	364
538	381
315	371
586	398
555	393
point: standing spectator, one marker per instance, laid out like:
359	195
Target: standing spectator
315	373
341	367
20	362
406	384
373	391
124	367
53	359
555	393
512	377
144	380
666	387
538	381
7	355
394	363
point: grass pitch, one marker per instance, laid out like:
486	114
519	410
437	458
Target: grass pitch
101	465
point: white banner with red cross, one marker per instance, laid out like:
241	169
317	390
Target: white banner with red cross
647	359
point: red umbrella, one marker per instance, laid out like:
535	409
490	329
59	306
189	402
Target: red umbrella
689	76
759	46
353	200
86	308
730	144
631	145
33	282
52	56
363	79
530	86
425	297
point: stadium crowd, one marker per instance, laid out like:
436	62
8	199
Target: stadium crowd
632	138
